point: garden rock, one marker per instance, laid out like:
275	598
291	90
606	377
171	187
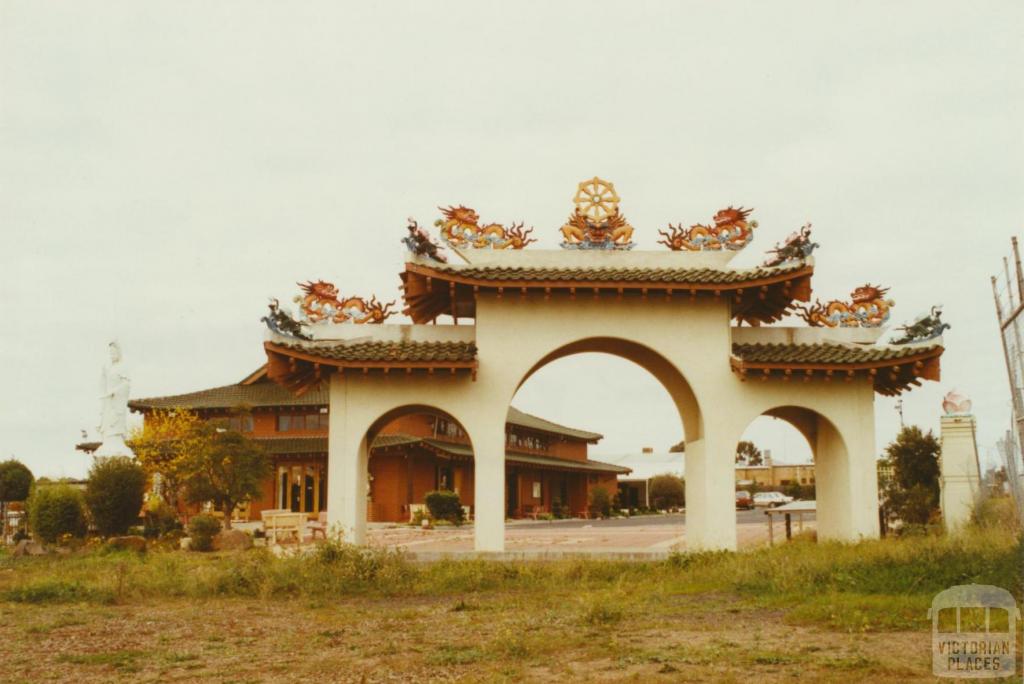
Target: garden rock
127	543
27	547
232	540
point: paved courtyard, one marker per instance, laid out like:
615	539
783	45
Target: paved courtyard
650	533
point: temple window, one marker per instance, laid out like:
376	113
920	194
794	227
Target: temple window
240	423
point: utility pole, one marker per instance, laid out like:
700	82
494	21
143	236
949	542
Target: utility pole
899	409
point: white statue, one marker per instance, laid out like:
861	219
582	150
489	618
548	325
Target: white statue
113	426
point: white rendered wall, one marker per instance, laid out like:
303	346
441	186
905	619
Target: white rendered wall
959	477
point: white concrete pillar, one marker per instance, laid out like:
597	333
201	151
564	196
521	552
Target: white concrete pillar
710	494
489	487
347	461
846	479
959	474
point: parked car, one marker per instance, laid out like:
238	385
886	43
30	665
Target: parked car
743	500
771	499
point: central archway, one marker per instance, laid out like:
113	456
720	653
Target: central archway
577	487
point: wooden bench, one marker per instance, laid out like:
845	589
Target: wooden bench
281	521
319	526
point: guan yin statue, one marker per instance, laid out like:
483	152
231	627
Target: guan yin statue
113	427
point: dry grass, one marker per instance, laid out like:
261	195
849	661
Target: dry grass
817	612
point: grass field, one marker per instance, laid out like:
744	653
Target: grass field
813	612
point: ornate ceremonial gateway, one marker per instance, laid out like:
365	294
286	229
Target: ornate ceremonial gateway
461	227
597	223
797	247
731	231
321	303
868	309
924	328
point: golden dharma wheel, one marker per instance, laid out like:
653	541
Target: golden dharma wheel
596	199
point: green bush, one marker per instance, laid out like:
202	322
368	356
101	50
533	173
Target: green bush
55	511
600	502
114	494
667	491
15	481
202	529
445	505
159	518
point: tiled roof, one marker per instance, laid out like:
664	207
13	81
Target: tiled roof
517	417
702	275
548	461
260	394
826	353
405	351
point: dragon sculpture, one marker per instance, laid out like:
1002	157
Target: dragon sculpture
868	309
582	232
461	227
925	328
732	231
420	244
321	303
282	323
797	247
596	222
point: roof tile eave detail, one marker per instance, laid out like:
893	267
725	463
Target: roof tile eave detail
460	352
827	354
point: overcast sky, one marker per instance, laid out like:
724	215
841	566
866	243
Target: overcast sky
165	167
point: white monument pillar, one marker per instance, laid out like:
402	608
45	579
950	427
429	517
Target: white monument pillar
113	427
959	473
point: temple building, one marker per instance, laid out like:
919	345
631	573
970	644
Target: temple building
547	469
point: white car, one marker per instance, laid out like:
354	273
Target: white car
771	499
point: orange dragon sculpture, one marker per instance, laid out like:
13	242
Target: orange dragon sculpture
868	308
321	303
613	232
461	227
731	231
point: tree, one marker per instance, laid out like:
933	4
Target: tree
15	485
56	510
600	502
747	452
228	469
164	445
667	491
913	493
114	493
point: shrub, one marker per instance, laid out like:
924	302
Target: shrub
445	505
202	529
159	518
15	481
114	494
56	510
667	491
600	502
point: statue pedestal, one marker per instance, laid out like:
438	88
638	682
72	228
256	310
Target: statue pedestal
959	477
114	446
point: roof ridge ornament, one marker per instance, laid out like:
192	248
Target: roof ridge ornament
925	328
797	247
321	304
280	321
868	308
596	222
732	231
461	227
420	244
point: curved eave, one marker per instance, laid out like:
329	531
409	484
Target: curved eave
431	292
301	369
890	376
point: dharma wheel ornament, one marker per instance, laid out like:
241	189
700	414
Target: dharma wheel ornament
461	227
868	308
732	231
321	304
596	223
